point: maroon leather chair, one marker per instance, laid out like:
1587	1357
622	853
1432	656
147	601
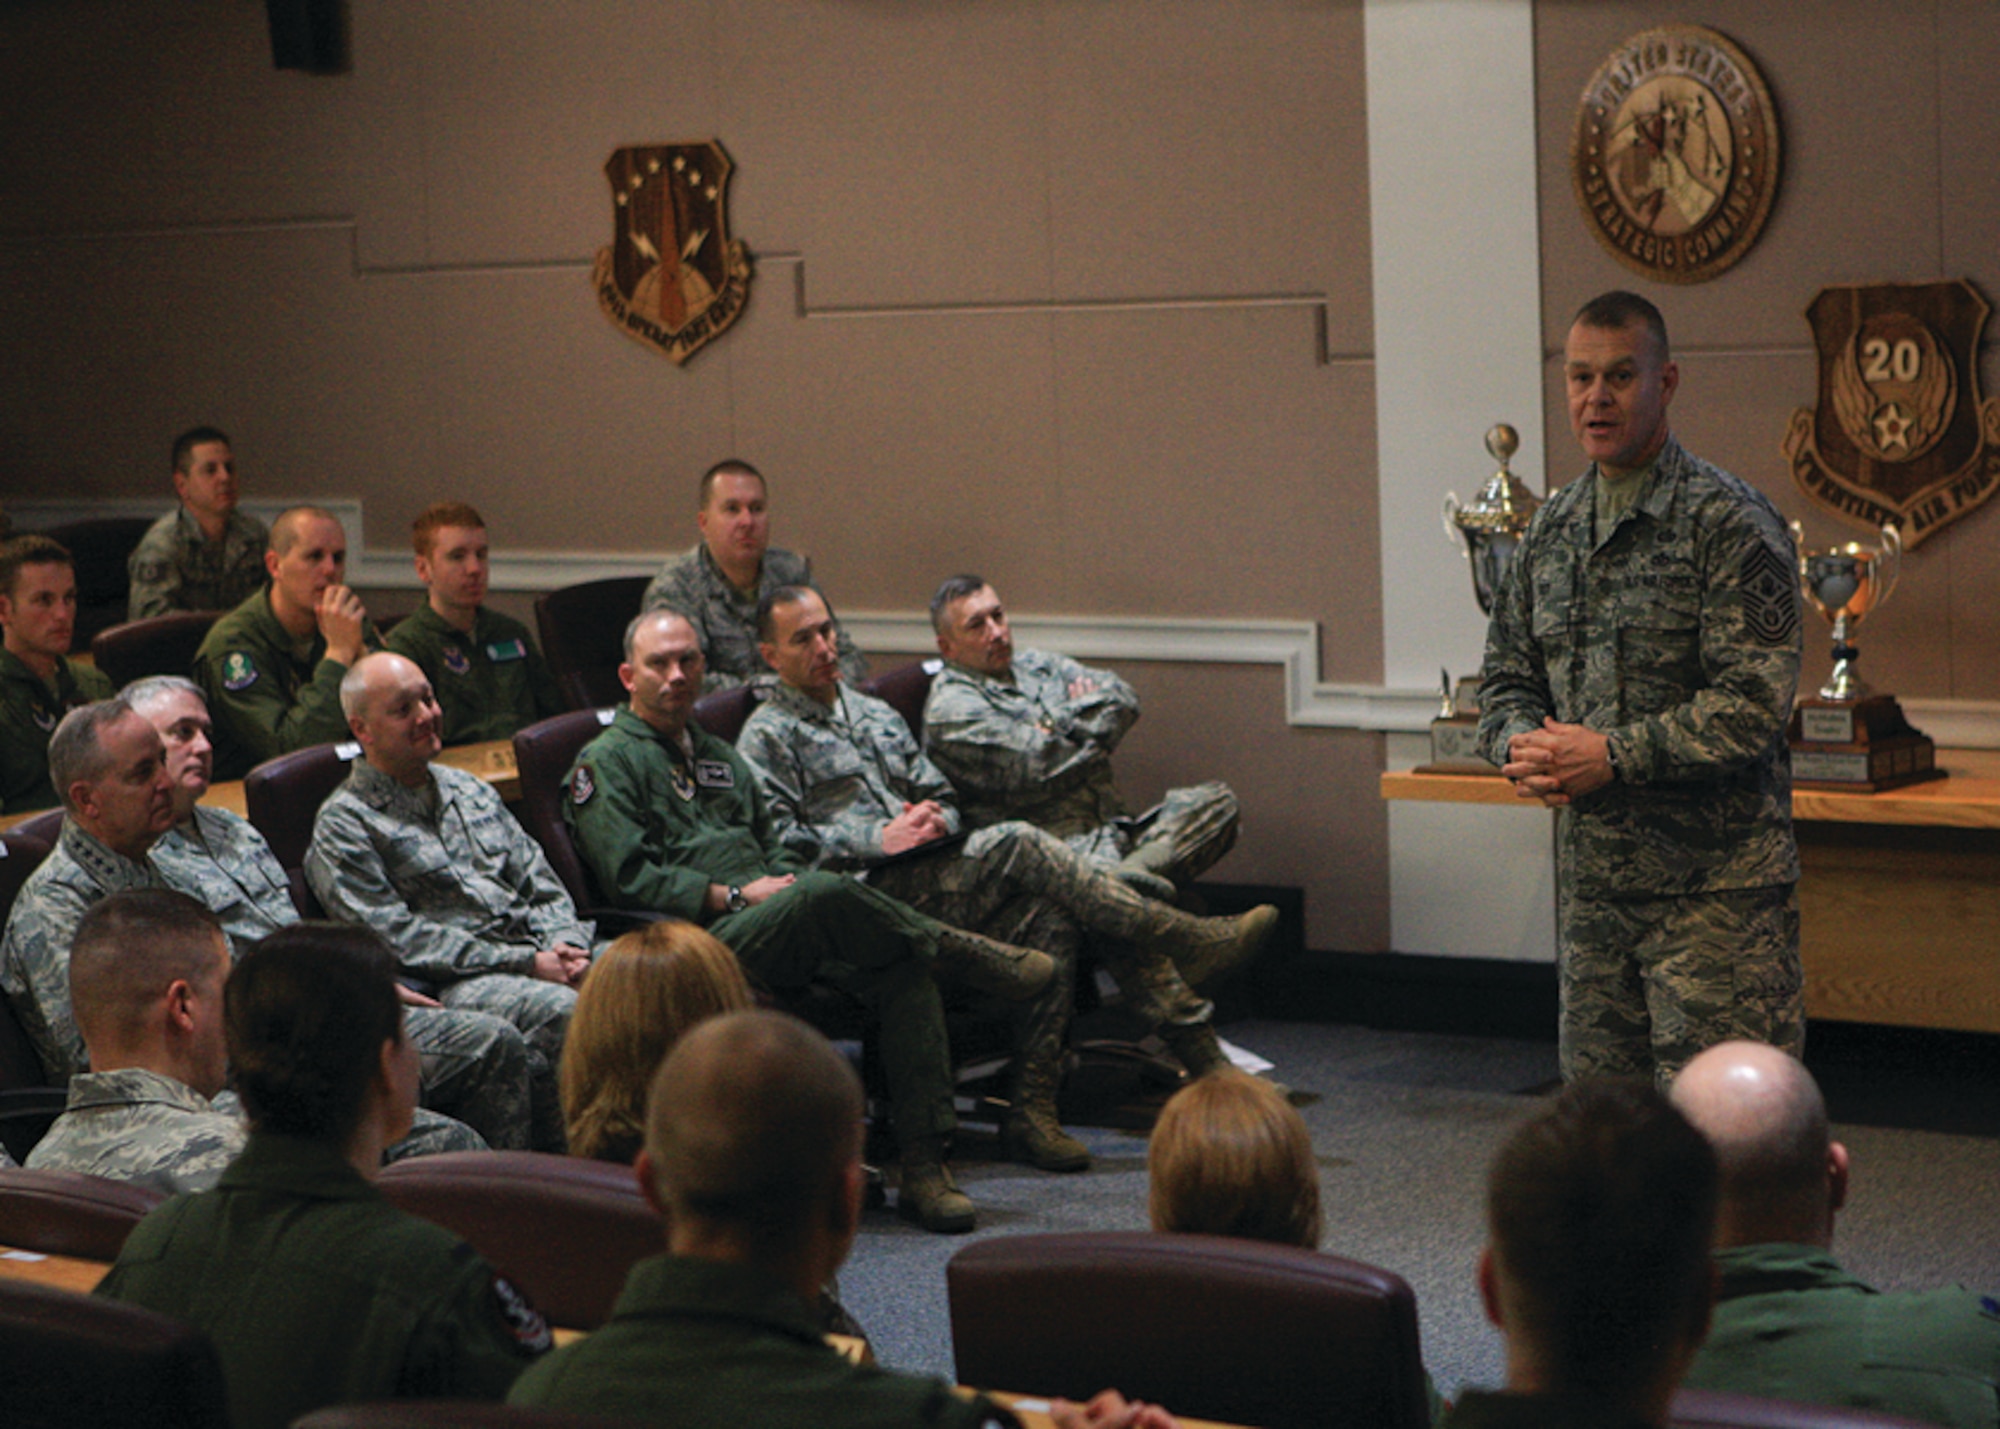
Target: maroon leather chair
583	633
43	828
100	549
724	713
450	1414
76	1360
1210	1326
543	753
905	689
68	1213
563	1229
159	645
282	798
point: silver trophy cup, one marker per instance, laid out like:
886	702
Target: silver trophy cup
1492	524
1844	583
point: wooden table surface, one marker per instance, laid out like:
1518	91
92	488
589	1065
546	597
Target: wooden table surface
62	1271
1969	798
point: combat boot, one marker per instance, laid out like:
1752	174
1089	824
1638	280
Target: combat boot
928	1195
1196	1047
989	966
1207	950
1145	881
1032	1132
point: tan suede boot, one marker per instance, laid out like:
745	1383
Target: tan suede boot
989	966
929	1196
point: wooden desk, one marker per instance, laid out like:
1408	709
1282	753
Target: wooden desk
1899	903
62	1271
492	760
1034	1412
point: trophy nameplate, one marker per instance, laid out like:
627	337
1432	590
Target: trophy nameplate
1848	737
1455	731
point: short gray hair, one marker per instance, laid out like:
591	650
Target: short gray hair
141	694
76	749
656	612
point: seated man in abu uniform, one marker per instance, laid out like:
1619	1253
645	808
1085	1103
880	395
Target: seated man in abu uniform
204	554
1030	736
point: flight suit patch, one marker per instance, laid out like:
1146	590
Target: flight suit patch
714	774
582	785
456	660
239	672
524	1322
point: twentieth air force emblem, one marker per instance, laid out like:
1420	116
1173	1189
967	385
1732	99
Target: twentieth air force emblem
672	278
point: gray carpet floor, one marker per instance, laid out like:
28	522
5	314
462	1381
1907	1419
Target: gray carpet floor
1404	1125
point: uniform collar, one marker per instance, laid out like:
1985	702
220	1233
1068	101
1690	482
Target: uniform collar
108	868
13	667
378	791
296	1166
133	1086
1777	1266
717	1290
803	705
626	720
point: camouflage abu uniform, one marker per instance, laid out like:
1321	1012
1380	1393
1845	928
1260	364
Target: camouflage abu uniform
175	567
1677	636
658	823
475	1065
140	1126
448	876
1022	747
29	714
833	778
268	693
489	682
725	619
34	953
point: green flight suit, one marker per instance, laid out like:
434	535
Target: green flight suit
707	1344
317	1291
268	693
1790	1323
489	682
657	824
29	714
1491	1409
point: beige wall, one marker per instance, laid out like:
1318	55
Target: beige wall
378	282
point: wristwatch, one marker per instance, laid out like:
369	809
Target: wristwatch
736	902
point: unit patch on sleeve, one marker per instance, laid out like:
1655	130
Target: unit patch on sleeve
239	672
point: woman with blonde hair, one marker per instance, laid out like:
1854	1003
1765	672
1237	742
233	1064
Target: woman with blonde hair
1230	1156
644	991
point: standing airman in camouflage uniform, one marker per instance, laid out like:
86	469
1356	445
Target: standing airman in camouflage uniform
849	790
429	857
38	684
204	554
1030	736
1639	675
271	668
108	764
483	666
668	818
475	1065
716	586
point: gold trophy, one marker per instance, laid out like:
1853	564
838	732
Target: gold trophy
1847	737
1488	530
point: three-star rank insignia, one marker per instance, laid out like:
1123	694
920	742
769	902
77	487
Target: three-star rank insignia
1900	436
672	277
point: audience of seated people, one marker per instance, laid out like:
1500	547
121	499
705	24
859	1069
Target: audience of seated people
847	789
272	666
716	586
430	857
475	1065
313	1288
644	991
484	667
39	684
204	554
1790	1321
669	820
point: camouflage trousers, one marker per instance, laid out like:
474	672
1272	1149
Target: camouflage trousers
431	1133
1016	883
1181	837
1649	982
540	1012
475	1068
827	928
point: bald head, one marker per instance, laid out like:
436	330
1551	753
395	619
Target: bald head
753	1126
1782	1175
390	707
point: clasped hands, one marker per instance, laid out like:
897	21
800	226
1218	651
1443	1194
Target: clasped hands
918	824
1558	762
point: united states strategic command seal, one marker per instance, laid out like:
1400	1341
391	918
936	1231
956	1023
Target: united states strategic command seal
672	278
1901	436
1675	159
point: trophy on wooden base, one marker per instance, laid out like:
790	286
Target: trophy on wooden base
1490	527
1847	737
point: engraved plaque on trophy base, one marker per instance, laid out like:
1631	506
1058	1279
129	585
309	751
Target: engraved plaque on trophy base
1858	746
1455	737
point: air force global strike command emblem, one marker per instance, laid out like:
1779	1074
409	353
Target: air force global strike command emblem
672	278
1900	436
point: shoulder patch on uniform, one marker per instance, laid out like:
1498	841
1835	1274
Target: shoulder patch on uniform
524	1322
239	672
582	785
1770	595
151	572
456	660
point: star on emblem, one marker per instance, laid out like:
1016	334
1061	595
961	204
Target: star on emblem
1892	427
